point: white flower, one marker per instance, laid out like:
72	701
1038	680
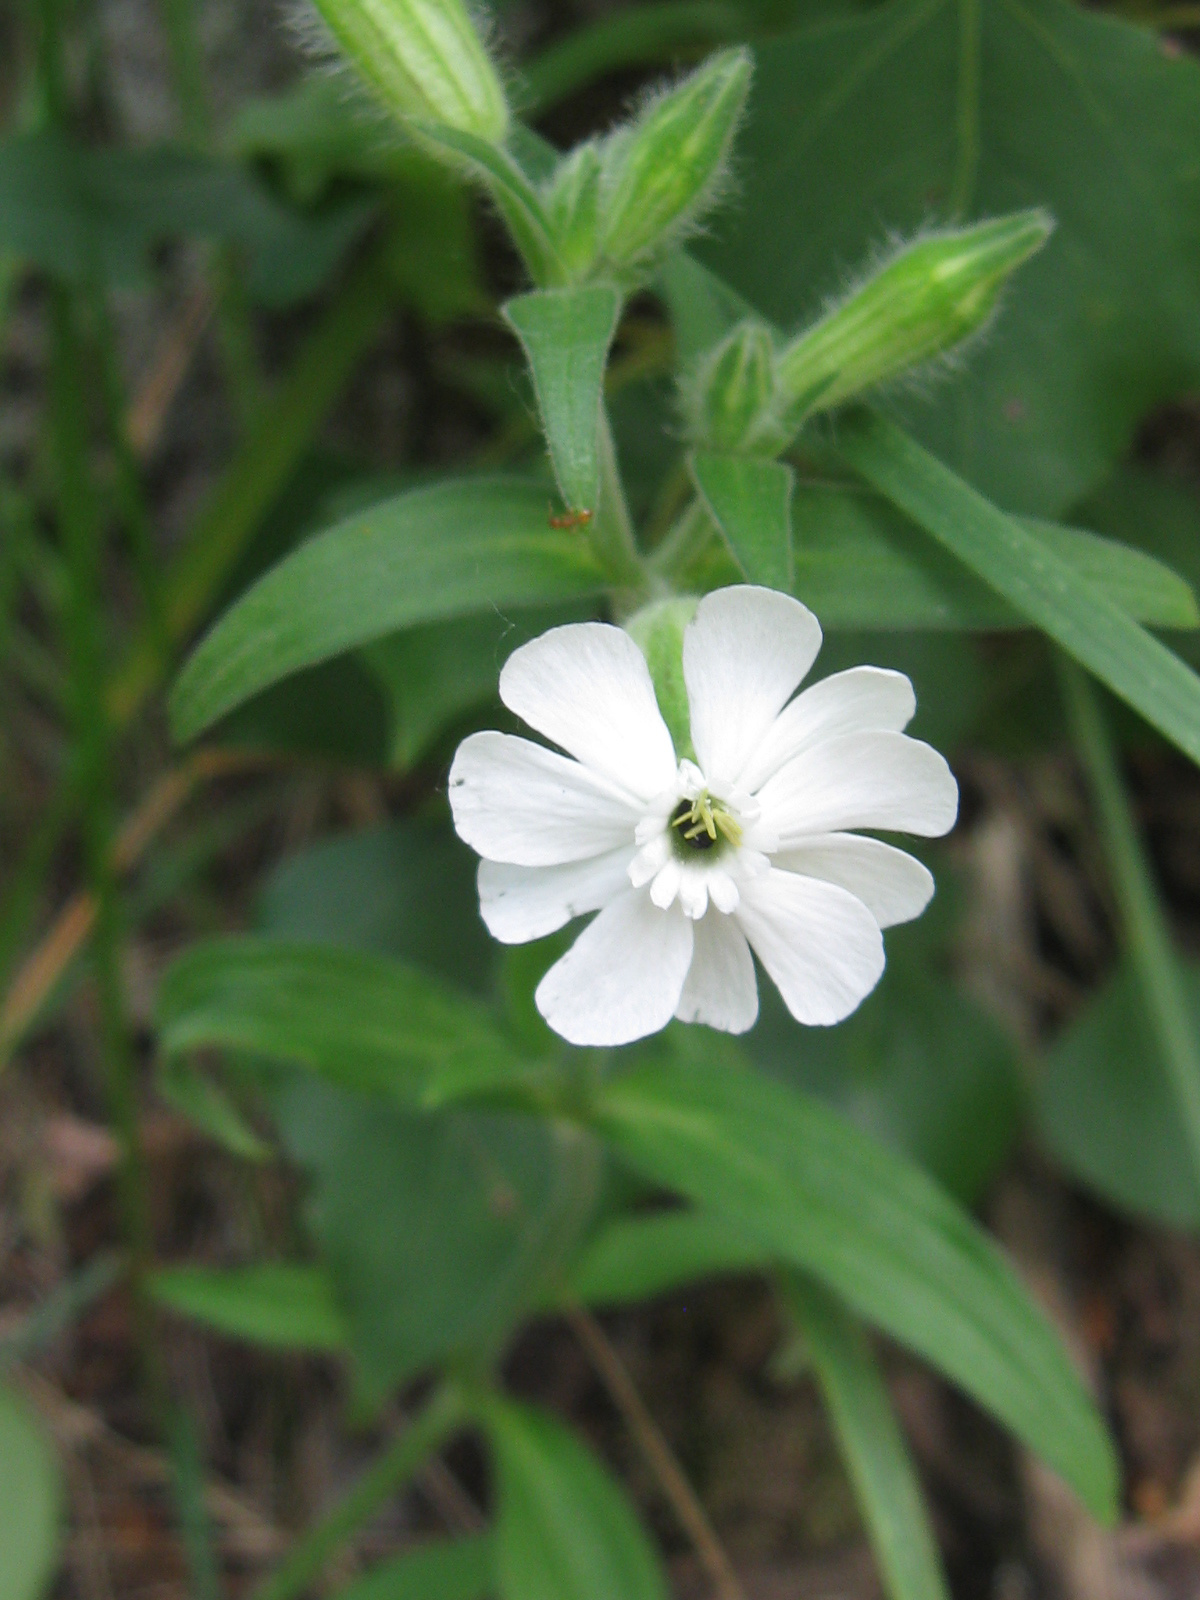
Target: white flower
693	864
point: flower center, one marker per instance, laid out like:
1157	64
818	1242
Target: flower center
702	823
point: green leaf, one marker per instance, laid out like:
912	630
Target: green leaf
566	334
458	1571
861	563
356	1019
865	129
438	1230
1035	580
207	1106
750	501
788	1171
918	1065
406	889
30	1501
1105	1110
424	556
564	1530
635	1258
83	213
284	1307
885	1480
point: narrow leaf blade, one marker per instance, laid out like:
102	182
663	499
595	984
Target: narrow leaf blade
750	501
566	334
283	1306
1031	577
30	1501
424	556
461	1570
874	1448
564	1529
634	1258
876	1230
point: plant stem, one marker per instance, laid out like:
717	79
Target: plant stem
441	1418
1147	934
658	1453
611	530
683	543
80	523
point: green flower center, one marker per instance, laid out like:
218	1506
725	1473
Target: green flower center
703	823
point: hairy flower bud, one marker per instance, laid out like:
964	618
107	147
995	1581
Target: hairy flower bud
424	59
572	199
729	397
929	298
667	167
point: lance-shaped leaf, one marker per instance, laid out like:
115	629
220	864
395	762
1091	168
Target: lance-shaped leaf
566	334
564	1529
1032	578
360	1020
634	1258
822	1196
750	501
861	563
461	1570
869	1436
433	553
30	1501
276	1304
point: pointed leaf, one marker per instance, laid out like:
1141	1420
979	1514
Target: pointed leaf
30	1501
433	553
861	563
458	1571
750	501
565	334
824	1197
357	1019
1032	578
635	1258
285	1307
870	1439
564	1529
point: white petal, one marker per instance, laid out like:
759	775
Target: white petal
894	886
721	989
860	780
845	702
666	884
744	652
623	976
587	687
523	903
515	801
821	946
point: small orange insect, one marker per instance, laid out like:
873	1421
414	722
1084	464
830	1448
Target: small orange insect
571	519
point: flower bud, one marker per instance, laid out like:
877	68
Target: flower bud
929	298
729	396
657	630
424	59
572	199
667	167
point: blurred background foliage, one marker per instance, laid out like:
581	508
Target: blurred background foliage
236	308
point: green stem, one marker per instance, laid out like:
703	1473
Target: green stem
81	529
611	530
1146	932
441	1418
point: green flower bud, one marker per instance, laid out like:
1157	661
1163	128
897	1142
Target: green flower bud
668	166
657	630
929	298
729	396
572	201
425	61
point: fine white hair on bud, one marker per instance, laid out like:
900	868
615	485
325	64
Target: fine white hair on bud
745	839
